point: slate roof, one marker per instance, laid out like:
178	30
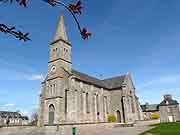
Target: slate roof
109	84
6	114
170	102
115	82
150	107
25	118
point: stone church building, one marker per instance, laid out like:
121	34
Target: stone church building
71	97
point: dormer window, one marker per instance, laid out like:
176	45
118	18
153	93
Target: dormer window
167	102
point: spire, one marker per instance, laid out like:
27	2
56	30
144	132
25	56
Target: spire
61	30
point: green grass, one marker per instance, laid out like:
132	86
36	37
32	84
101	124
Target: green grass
165	129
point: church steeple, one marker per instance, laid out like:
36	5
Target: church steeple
60	51
61	30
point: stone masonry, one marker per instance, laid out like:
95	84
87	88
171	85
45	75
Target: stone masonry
69	96
169	110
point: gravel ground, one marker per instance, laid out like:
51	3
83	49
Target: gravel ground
101	129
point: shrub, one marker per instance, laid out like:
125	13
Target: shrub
112	118
155	116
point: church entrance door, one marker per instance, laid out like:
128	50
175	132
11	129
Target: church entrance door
51	114
118	116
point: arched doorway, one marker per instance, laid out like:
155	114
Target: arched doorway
118	116
51	114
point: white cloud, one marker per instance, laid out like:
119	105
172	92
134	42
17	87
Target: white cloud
30	77
10	71
9	105
36	77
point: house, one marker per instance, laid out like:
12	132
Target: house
14	118
169	110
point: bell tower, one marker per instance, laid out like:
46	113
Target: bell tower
60	52
59	65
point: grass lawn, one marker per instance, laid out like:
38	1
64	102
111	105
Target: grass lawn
164	129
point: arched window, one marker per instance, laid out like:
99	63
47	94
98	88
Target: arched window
132	105
51	114
87	103
82	101
106	104
118	116
66	94
50	90
97	104
54	89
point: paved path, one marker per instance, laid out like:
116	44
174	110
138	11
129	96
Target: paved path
83	130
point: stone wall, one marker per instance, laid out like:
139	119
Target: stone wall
86	103
79	102
169	113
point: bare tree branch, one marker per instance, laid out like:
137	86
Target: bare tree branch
11	30
72	8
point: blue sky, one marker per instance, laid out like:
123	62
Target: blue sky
136	36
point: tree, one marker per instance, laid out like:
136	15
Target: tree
34	117
74	9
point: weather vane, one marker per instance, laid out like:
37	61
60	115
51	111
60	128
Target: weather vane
74	9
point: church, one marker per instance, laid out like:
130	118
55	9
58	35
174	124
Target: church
71	97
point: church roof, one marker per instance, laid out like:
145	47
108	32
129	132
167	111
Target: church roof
88	79
111	83
115	82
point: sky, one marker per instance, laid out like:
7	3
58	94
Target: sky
140	37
